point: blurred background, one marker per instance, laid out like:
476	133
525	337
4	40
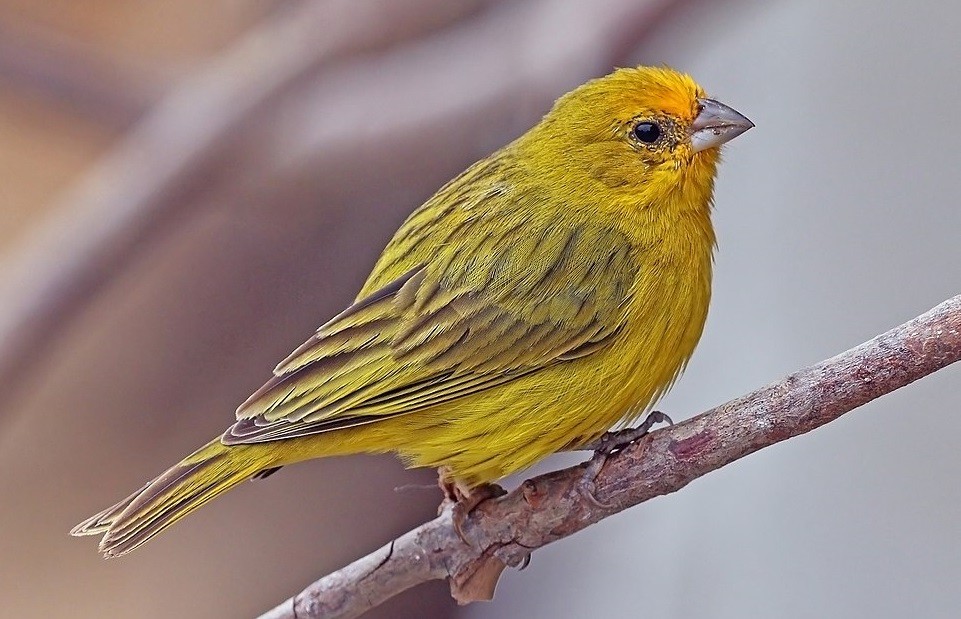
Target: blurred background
188	189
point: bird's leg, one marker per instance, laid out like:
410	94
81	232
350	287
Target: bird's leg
609	443
463	498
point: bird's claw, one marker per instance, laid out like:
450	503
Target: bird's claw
585	484
607	444
463	500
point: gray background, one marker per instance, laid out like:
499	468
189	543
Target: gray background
837	218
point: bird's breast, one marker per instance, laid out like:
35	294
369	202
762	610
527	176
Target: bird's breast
665	318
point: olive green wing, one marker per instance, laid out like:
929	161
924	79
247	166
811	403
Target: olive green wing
447	329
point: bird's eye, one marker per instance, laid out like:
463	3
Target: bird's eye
647	132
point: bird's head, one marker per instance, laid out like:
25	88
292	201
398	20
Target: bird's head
645	131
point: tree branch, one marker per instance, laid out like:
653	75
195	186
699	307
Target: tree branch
550	507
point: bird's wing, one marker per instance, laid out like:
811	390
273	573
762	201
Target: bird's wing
448	329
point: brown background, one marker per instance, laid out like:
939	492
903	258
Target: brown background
204	184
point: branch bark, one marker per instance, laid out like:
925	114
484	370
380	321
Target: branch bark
550	507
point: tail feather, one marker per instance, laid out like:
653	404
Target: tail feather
101	521
210	471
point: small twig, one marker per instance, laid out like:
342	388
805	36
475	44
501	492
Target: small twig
547	508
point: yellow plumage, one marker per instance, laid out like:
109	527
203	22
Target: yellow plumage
552	290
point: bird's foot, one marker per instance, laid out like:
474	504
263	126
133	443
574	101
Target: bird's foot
607	444
463	499
610	442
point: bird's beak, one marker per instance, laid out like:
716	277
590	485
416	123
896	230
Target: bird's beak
716	124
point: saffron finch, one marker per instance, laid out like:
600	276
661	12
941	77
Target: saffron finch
552	290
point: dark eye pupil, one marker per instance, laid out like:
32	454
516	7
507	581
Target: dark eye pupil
647	132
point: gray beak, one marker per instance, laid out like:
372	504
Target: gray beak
716	124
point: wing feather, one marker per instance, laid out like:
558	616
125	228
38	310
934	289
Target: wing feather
518	302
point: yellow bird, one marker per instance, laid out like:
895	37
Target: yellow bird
552	290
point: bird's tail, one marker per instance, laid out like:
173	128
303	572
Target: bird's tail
201	476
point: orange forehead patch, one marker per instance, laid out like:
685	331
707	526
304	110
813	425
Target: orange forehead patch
630	92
